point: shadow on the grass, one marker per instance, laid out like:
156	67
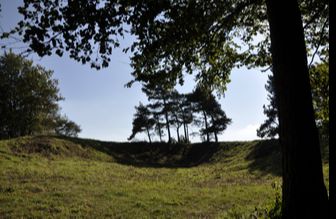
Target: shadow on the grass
154	154
265	157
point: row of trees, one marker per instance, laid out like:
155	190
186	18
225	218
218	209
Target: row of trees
29	100
169	109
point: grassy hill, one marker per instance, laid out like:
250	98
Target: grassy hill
46	176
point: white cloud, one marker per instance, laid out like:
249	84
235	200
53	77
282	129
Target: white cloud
246	133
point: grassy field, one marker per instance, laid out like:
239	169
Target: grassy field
53	177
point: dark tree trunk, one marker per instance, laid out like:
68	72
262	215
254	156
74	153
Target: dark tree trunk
184	126
332	113
206	126
215	132
304	194
185	130
160	132
149	138
178	133
167	119
187	136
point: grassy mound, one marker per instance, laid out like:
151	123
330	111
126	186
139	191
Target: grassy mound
145	154
53	177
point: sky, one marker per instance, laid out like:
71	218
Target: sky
103	107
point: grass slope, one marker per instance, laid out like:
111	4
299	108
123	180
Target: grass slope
43	177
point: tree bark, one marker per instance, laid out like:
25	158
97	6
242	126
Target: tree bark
178	134
206	126
149	138
215	132
303	194
167	119
332	114
159	126
160	132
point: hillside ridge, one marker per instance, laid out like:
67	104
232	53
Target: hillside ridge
264	153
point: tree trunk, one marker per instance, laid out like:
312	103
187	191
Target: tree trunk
184	126
303	194
206	126
149	138
178	133
332	114
185	131
160	132
215	132
187	136
167	119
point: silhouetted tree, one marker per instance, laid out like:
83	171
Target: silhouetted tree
157	116
142	122
219	120
214	118
160	95
270	127
176	112
186	114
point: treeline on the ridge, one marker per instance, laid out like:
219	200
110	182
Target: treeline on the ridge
168	109
29	100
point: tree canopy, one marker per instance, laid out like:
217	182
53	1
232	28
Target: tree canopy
208	45
29	100
180	111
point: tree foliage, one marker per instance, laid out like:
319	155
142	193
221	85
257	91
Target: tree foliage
319	81
179	111
29	99
142	121
167	46
270	127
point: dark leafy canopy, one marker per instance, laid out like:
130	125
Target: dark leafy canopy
214	118
29	99
173	37
169	109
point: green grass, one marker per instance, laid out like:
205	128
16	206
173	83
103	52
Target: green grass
52	177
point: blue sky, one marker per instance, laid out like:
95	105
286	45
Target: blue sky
104	108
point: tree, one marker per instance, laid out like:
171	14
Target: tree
298	132
319	81
142	121
160	95
186	114
28	96
270	127
29	99
219	120
214	118
66	127
176	112
157	116
167	47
